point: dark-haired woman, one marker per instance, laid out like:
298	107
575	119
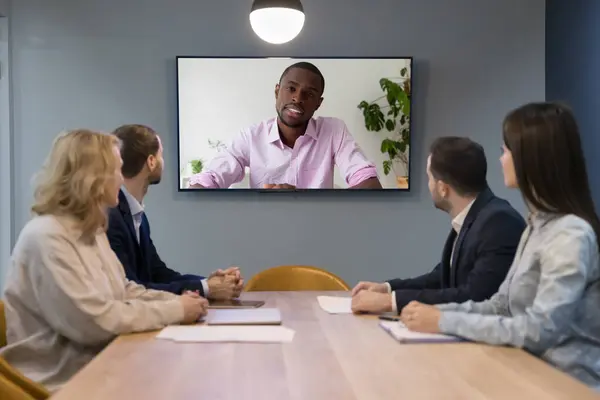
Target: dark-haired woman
549	303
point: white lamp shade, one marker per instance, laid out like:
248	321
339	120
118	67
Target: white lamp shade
277	25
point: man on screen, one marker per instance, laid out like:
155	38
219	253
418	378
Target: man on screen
294	149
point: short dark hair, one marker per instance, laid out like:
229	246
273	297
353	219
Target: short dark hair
460	162
307	66
138	142
545	144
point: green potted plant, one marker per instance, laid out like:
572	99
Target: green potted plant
196	166
392	117
191	168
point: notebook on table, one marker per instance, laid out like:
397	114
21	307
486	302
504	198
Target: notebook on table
239	316
235	303
401	333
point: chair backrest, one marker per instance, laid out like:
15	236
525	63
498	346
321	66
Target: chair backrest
33	389
295	277
2	325
10	391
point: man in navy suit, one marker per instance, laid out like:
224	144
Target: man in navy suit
481	245
129	230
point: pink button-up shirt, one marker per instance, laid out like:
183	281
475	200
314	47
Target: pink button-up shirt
309	165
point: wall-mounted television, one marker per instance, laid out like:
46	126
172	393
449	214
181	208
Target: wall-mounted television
245	125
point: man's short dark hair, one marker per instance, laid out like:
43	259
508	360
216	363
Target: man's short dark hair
307	66
460	162
138	142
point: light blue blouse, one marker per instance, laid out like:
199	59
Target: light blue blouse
549	303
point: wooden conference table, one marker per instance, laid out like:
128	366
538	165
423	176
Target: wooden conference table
333	357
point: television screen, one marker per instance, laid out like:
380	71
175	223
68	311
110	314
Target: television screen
324	124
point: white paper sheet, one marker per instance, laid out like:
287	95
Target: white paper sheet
203	333
335	305
401	333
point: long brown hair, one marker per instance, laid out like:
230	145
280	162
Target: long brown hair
74	178
549	163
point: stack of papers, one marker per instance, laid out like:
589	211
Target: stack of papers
401	333
335	305
202	333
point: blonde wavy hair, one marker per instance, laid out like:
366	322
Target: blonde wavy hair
73	180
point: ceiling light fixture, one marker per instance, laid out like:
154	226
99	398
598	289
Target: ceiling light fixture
277	21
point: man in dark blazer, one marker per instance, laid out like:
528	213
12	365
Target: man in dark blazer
129	231
480	248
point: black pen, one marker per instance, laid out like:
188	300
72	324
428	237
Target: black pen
385	317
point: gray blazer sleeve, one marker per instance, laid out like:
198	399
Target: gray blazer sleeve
565	261
495	305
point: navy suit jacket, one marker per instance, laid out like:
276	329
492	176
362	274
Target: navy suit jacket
484	251
141	261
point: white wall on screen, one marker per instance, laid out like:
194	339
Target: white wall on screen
219	96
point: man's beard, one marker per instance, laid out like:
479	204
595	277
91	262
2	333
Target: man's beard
442	204
155	180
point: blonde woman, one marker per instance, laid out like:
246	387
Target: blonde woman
67	296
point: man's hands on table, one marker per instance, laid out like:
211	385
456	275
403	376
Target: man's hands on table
225	284
371	297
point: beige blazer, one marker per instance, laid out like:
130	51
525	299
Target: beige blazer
66	300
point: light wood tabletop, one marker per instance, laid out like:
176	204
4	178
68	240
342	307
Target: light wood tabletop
333	357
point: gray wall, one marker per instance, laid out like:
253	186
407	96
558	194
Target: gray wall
101	63
6	161
572	65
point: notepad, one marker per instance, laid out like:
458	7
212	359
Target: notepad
401	333
235	303
231	334
254	316
335	305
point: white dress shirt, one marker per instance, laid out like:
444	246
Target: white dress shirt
137	210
